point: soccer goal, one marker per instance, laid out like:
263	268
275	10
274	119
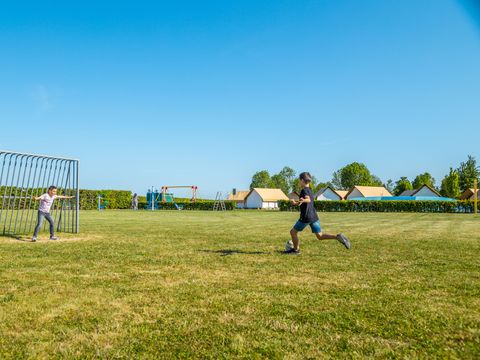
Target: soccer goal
26	176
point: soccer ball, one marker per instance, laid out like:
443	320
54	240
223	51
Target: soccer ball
289	245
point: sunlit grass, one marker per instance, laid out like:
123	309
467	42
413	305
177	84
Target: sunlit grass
204	284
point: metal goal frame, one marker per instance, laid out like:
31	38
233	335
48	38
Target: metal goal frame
24	176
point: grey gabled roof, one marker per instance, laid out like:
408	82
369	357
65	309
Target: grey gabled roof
408	193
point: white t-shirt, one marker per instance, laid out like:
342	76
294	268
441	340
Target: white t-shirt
46	202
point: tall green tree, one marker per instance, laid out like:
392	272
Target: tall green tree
451	184
337	180
467	173
376	181
354	174
296	184
261	179
280	182
423	179
402	185
390	185
289	175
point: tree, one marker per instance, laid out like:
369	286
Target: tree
280	182
450	184
296	184
376	181
289	175
261	179
402	185
313	183
468	172
423	179
337	180
390	185
354	174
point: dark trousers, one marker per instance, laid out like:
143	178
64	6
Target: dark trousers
40	217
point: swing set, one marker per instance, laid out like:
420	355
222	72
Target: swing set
154	198
192	187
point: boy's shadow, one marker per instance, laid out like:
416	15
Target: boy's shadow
18	238
226	252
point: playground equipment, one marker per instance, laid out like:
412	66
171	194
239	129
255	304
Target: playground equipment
193	187
102	202
219	202
178	207
152	199
25	176
168	197
156	198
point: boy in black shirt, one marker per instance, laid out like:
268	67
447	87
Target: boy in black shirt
308	216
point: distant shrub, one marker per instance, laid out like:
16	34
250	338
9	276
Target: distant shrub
461	206
115	199
21	198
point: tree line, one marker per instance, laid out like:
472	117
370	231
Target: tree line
452	185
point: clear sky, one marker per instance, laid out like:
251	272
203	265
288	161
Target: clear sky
208	92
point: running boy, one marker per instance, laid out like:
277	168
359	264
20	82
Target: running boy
46	202
308	216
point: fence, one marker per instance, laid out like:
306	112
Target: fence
25	176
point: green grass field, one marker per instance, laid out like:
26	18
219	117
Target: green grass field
214	285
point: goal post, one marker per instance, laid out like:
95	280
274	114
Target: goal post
26	176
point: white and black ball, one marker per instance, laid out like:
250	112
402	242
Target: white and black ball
289	245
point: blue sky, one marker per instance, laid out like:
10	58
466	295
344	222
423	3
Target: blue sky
187	92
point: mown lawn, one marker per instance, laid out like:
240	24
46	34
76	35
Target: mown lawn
215	285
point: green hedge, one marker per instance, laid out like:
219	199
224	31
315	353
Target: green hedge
461	206
198	205
12	197
121	199
116	199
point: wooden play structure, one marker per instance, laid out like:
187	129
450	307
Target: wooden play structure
192	187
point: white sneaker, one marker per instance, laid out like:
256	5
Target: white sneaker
342	239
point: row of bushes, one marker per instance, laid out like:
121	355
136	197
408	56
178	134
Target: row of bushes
114	199
12	191
18	198
461	206
121	199
12	197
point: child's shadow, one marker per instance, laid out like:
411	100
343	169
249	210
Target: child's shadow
226	252
18	238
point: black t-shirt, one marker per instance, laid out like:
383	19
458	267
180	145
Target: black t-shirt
307	210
